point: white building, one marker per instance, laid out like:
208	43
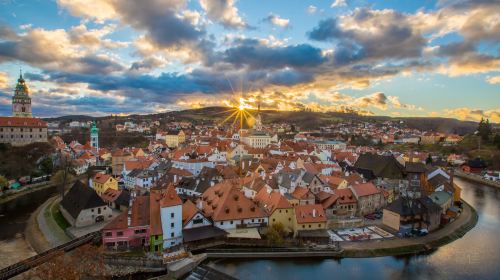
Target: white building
171	218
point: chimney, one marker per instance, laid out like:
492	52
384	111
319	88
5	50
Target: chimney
200	204
314	213
242	164
175	178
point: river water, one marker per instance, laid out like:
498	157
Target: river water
474	256
14	216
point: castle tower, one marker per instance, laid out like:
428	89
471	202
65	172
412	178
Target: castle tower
21	101
94	137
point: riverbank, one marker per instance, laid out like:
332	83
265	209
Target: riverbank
477	179
33	234
366	249
24	191
404	246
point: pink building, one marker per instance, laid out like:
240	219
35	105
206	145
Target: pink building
126	232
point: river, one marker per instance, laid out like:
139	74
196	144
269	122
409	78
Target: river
14	216
474	256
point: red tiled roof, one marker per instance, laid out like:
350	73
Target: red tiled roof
170	197
137	164
300	192
365	189
140	215
345	196
312	213
154	212
224	201
188	211
22	122
271	201
327	203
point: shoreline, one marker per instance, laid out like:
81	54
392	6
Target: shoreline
11	197
394	247
453	231
476	179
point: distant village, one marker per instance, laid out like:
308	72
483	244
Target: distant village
195	185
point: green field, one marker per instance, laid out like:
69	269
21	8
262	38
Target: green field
58	217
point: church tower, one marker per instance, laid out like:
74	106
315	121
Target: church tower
21	101
94	137
258	120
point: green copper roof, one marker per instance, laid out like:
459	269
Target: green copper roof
94	129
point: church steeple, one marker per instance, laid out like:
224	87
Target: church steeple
21	101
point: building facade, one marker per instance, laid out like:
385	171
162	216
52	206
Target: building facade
22	129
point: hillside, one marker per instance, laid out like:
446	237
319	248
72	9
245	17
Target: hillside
305	120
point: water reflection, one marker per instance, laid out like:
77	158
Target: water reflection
476	255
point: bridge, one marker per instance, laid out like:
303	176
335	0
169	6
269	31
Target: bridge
32	262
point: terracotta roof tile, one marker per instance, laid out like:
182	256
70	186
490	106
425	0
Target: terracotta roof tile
22	122
312	213
224	201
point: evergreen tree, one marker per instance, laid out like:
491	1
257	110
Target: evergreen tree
484	129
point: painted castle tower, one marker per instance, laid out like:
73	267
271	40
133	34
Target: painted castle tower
21	101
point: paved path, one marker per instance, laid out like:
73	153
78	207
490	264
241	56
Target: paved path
48	226
447	230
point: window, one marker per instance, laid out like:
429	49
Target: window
231	222
274	220
109	233
309	226
303	226
197	221
172	234
120	233
319	225
171	215
171	225
221	223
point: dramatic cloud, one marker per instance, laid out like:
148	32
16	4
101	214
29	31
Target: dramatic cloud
4	80
373	34
493	80
223	11
163	54
99	10
53	49
255	55
474	114
277	20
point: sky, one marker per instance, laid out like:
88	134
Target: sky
396	58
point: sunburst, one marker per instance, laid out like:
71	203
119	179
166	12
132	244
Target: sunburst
239	113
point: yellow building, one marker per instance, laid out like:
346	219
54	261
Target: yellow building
280	211
308	217
174	138
102	182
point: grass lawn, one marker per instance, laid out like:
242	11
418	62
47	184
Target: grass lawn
58	217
